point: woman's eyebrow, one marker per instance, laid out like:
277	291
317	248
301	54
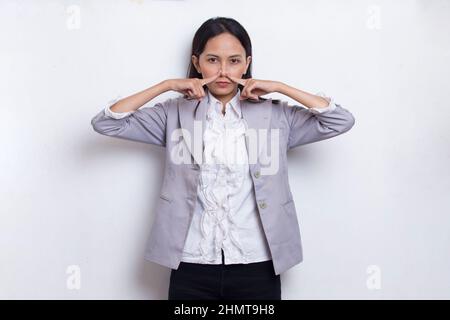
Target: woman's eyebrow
232	56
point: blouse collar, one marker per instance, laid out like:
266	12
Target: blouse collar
216	105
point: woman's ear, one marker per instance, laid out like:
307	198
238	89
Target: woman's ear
195	63
249	60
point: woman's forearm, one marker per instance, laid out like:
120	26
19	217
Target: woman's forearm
307	99
137	100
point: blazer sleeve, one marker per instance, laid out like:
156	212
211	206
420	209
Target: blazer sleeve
307	125
147	124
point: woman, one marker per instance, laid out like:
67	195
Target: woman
226	223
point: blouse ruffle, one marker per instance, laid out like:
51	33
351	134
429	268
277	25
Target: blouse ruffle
222	174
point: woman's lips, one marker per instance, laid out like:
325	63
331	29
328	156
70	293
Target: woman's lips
222	84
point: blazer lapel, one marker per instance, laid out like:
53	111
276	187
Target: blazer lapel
192	116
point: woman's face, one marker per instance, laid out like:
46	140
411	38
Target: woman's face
225	53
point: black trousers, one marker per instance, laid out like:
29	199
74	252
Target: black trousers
226	281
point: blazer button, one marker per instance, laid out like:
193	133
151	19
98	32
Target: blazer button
257	174
262	205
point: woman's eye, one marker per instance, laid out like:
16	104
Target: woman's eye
234	61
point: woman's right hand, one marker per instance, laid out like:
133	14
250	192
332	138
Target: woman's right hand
192	87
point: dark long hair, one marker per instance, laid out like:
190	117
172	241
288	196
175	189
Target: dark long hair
213	27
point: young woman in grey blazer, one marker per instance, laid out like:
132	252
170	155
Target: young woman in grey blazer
226	223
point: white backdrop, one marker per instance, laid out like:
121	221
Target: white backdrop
373	203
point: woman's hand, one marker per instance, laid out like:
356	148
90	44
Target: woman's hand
193	87
254	88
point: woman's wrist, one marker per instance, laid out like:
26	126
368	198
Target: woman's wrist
166	85
280	87
307	99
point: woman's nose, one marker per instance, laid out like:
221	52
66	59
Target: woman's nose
223	72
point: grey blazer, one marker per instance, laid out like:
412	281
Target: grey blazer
157	125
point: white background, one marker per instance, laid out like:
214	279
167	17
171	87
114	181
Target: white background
373	203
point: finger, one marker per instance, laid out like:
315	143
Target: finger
200	91
190	94
243	95
245	90
203	92
210	79
197	92
238	80
250	88
187	93
193	89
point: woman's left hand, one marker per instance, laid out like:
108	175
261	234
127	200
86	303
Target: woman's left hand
254	88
